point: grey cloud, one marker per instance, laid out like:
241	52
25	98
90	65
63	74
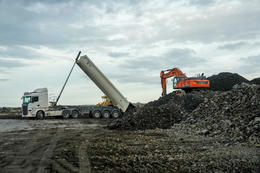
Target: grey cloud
174	58
135	76
3	80
232	46
256	44
51	26
118	54
90	2
182	57
253	61
241	23
20	52
201	2
56	22
68	22
10	63
251	64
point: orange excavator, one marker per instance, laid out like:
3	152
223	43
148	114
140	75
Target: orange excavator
181	81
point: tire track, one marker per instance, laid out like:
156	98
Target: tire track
84	163
47	154
31	156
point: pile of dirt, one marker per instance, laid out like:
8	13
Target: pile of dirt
225	81
162	113
234	114
255	81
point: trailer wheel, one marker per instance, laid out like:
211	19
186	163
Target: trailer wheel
75	114
40	115
96	114
66	114
116	114
106	114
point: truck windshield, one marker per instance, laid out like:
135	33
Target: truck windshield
26	99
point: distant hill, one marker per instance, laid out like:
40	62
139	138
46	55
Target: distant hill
225	81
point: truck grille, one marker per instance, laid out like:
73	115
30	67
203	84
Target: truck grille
25	109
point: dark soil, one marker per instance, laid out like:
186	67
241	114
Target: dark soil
174	150
80	146
225	81
234	113
162	113
255	81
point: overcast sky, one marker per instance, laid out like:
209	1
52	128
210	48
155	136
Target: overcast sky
131	41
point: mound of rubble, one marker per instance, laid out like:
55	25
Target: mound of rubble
255	81
234	114
162	113
225	81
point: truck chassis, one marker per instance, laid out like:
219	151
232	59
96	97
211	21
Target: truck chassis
75	112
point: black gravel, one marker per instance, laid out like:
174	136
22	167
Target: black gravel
225	81
162	113
234	114
255	81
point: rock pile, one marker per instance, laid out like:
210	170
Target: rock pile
149	118
234	114
255	81
162	113
225	81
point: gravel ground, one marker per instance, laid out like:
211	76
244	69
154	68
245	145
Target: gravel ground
179	149
84	145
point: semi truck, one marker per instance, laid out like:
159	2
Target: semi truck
36	103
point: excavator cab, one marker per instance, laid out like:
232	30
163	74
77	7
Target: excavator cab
105	102
177	80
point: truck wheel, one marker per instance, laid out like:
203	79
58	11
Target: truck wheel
96	114
116	114
106	114
40	115
66	114
75	114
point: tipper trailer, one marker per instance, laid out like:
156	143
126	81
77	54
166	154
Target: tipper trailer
36	104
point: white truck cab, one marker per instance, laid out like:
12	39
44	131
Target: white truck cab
34	101
35	104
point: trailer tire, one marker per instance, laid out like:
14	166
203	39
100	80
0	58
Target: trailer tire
40	115
106	114
75	114
116	114
66	114
96	114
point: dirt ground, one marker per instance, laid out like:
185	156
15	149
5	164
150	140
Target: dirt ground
85	145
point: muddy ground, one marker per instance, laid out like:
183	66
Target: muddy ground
85	145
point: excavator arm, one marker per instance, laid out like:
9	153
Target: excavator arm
175	72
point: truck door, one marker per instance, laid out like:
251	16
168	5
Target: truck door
34	104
